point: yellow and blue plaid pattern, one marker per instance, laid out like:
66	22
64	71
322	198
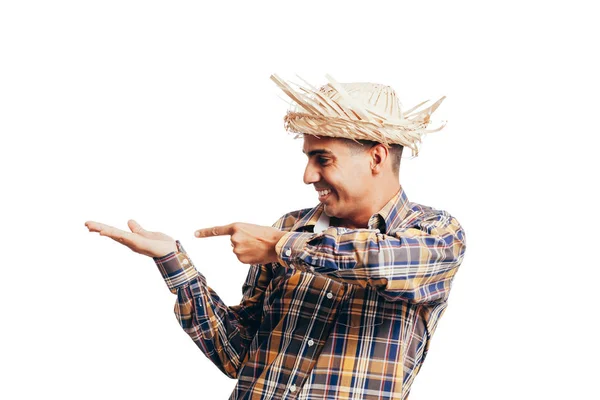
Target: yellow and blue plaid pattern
344	314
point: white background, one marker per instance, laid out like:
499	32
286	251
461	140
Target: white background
164	112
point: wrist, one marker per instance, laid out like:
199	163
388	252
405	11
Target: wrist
273	257
291	246
277	237
166	250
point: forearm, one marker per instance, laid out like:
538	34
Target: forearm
414	265
218	330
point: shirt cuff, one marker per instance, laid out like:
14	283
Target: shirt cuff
291	245
176	268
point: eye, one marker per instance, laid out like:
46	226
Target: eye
322	160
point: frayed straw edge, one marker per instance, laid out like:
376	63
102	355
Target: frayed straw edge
411	123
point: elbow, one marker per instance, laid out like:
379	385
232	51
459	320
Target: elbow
412	295
417	294
428	285
230	370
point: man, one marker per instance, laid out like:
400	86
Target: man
341	299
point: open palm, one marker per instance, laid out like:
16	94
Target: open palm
152	244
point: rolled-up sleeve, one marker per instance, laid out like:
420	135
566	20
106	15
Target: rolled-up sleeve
415	264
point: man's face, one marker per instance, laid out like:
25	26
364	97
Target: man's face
341	178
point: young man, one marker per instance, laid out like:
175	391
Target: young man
341	299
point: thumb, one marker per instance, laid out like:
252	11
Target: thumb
136	228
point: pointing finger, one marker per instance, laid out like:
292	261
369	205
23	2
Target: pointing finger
215	231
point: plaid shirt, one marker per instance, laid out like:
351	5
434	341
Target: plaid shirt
345	313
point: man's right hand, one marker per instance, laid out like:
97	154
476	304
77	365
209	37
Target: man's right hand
151	244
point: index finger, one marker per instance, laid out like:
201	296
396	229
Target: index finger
215	231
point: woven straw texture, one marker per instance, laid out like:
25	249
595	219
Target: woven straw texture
357	111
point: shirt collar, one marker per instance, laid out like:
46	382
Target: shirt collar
386	219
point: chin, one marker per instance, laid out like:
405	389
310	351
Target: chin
329	211
332	211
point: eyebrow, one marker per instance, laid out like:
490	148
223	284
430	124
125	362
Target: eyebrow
318	151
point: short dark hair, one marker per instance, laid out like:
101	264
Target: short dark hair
359	146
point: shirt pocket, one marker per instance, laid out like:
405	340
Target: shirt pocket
363	307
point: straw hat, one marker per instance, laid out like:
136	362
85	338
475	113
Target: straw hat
358	111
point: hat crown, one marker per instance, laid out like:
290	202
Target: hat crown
379	99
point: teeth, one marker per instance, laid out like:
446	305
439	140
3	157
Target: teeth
324	192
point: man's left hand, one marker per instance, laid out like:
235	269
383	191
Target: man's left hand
252	244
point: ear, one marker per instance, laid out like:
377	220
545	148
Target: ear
379	155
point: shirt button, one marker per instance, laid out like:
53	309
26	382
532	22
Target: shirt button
185	261
288	252
329	295
311	343
293	388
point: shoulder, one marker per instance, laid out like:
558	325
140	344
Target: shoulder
429	214
288	220
432	220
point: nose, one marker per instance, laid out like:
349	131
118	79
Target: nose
311	175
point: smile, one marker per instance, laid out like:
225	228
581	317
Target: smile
323	194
